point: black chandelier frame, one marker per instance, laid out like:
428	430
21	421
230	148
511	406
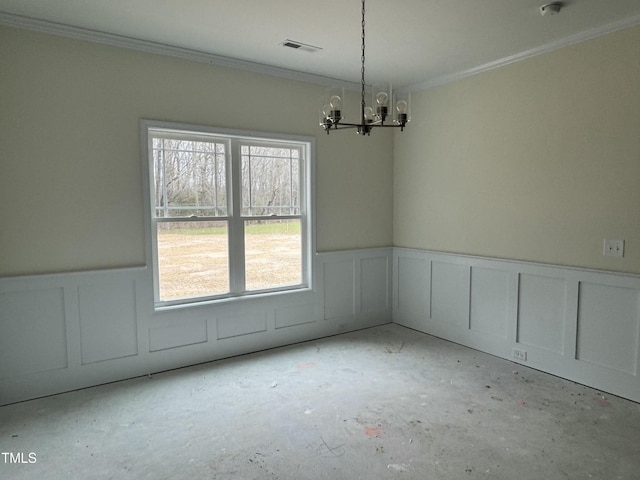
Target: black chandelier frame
331	120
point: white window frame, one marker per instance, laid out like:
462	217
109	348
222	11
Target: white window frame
234	140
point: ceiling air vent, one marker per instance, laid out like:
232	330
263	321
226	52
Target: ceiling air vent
303	47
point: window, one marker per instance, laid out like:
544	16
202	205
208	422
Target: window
230	214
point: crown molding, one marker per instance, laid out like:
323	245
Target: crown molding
78	33
546	48
110	39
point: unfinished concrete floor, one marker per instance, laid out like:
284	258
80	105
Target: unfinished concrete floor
386	402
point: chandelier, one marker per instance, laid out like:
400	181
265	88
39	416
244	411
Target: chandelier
387	106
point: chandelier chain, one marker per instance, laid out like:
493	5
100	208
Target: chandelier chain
362	101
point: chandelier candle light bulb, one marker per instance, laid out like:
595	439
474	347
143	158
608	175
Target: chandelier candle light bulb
382	101
402	109
335	102
369	116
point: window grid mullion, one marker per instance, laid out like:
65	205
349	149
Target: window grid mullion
291	209
215	179
250	180
163	166
236	224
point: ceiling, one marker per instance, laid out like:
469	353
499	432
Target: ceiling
411	43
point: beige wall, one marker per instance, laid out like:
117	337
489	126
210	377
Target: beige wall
70	182
537	161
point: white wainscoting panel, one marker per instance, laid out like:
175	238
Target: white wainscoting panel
580	324
450	286
32	317
375	291
356	287
294	315
338	282
541	324
411	286
608	326
72	330
241	324
108	320
181	334
489	302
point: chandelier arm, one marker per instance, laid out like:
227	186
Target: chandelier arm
340	125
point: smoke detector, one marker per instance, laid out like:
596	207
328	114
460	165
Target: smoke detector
550	9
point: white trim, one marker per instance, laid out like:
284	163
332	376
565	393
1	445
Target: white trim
465	258
203	57
113	40
577	323
61	320
234	139
533	52
39	277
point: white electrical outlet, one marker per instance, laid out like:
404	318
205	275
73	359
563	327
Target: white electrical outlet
613	248
519	354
